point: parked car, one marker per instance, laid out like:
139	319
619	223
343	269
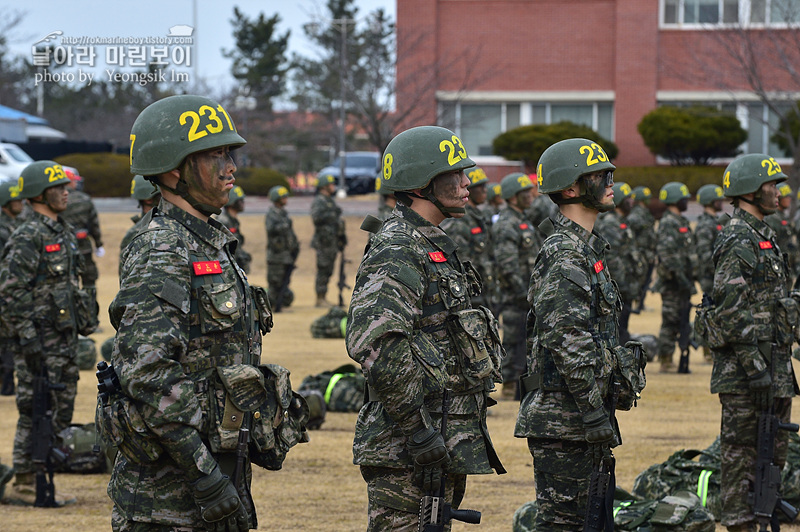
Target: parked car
12	161
360	170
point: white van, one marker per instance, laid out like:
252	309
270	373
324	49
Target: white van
12	161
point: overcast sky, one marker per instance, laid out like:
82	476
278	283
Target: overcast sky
154	18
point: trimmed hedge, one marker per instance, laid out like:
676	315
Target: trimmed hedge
108	175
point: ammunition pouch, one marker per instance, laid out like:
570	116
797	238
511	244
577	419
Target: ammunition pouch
279	423
86	310
242	391
120	425
476	340
706	329
629	372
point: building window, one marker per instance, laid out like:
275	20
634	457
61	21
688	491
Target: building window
702	14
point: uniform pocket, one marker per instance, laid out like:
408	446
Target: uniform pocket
470	333
120	425
786	314
453	289
219	306
62	313
431	361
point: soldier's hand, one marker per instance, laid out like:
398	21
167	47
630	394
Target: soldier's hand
219	503
598	427
427	449
761	389
100	252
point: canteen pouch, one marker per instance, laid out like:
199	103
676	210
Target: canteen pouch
280	421
469	331
630	373
86	310
786	314
242	391
120	425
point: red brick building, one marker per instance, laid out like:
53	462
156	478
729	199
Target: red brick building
482	67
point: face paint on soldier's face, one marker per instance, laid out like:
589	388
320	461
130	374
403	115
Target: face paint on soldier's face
14	207
209	175
477	194
56	198
769	197
597	186
451	189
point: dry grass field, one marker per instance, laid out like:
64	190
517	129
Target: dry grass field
319	489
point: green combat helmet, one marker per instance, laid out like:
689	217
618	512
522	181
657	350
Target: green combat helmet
142	189
476	177
746	174
171	129
709	193
9	191
673	192
784	189
494	191
621	190
236	194
513	183
326	179
414	157
642	193
39	176
278	192
564	162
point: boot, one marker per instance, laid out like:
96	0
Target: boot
7	388
23	491
322	302
667	366
6	474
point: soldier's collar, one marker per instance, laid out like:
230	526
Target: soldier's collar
759	226
212	232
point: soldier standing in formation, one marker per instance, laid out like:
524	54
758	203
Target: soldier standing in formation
185	317
567	409
516	244
542	206
643	224
626	263
471	235
81	214
784	230
39	289
494	202
412	283
329	237
229	217
752	370
10	209
386	199
705	234
282	249
675	250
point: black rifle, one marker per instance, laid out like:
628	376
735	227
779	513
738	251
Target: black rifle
434	511
287	276
685	338
600	509
766	497
342	284
44	452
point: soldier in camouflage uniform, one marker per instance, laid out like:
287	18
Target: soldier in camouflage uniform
494	202
10	209
705	233
676	260
625	262
148	196
187	323
750	339
282	248
516	244
387	201
471	235
643	224
407	326
542	206
566	411
40	292
229	217
784	230
81	214
329	236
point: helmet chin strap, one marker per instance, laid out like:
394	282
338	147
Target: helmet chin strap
182	190
427	194
589	198
756	202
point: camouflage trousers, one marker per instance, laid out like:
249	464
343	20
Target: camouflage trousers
276	271
120	524
514	342
90	274
672	301
394	498
561	470
60	370
326	259
738	442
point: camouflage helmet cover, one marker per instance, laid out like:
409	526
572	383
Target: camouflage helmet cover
673	192
565	161
415	156
709	193
142	189
278	192
747	173
172	128
513	183
39	176
621	190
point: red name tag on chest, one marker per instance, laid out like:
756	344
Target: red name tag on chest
766	244
719	228
623	226
437	256
233	230
683	229
80	235
784	222
523	226
598	266
207	267
476	230
52	248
